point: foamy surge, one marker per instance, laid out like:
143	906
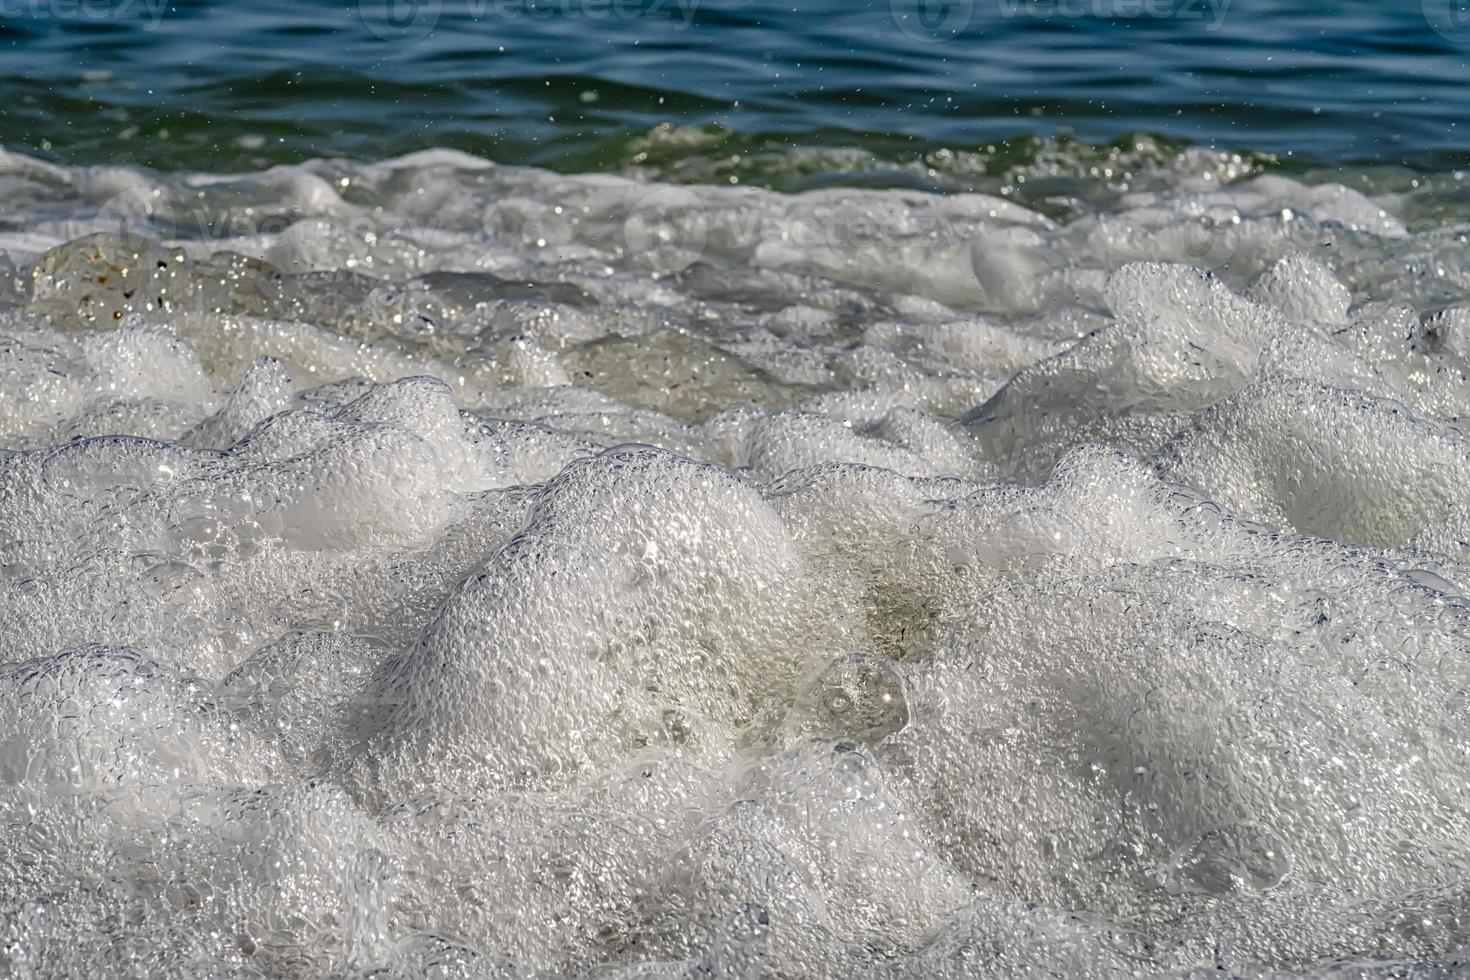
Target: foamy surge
439	570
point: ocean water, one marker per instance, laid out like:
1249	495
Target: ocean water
631	490
580	85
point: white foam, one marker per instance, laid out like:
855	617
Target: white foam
437	569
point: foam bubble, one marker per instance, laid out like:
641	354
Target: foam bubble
489	572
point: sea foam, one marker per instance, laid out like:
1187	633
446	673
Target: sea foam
435	569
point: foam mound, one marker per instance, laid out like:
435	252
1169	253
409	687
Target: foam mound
433	569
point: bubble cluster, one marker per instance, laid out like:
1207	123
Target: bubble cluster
431	569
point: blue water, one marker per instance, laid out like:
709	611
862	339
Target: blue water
579	84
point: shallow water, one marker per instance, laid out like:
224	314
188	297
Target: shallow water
874	538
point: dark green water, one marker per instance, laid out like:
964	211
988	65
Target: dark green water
713	89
